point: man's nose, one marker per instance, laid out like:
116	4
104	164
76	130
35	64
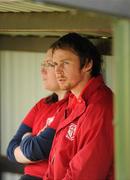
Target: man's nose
58	69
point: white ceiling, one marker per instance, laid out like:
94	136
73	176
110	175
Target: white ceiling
20	17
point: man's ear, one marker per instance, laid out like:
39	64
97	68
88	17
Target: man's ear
88	66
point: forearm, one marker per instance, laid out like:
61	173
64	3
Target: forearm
38	147
15	141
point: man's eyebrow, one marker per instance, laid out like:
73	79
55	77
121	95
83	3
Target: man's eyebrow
62	60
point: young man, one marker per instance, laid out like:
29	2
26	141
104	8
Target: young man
83	145
32	142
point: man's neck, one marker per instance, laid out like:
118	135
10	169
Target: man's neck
61	94
80	86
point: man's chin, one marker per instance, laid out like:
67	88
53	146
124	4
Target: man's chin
64	87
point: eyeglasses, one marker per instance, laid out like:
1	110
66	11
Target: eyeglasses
47	65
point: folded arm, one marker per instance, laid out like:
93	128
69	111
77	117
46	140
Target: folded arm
38	147
15	141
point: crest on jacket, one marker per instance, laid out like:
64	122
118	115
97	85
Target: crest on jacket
50	120
71	131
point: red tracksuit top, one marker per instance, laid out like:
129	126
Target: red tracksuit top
37	118
83	145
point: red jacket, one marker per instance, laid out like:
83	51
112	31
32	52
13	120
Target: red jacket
83	145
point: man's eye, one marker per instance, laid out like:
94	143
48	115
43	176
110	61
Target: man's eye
66	62
51	65
55	64
46	65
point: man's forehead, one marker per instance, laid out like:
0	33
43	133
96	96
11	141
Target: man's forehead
67	57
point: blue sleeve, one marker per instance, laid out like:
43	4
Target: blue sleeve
15	141
38	147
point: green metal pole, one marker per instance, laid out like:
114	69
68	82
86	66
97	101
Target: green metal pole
121	32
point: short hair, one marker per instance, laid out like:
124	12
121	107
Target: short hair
83	48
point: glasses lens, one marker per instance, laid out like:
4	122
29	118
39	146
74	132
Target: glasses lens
47	65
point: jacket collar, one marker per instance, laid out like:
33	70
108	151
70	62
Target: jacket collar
82	101
92	85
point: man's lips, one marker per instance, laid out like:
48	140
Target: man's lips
59	78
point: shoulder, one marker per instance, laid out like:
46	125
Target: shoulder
41	103
102	96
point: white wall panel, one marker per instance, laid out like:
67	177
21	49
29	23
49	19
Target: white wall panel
109	71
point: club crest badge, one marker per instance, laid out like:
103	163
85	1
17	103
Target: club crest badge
49	120
71	131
